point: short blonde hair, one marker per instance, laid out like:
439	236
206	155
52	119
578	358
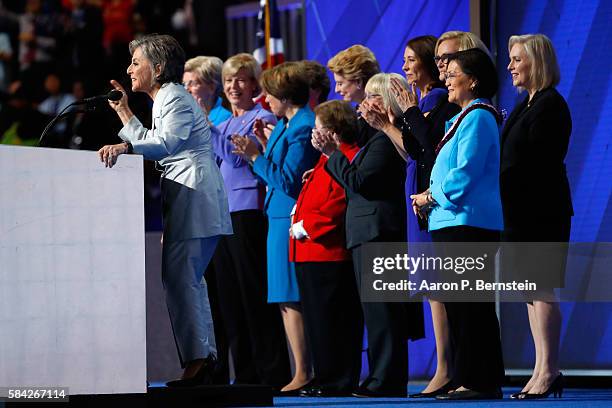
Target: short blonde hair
356	63
466	41
242	61
544	71
207	69
381	84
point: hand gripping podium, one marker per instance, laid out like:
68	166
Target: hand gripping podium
72	272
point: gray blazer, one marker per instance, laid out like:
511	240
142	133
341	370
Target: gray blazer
194	200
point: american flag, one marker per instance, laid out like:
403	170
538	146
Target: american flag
270	51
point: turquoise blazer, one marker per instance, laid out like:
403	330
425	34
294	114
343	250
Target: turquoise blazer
288	155
465	177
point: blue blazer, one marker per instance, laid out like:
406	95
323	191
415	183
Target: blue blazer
288	155
218	113
465	177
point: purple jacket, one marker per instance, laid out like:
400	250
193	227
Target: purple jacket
244	190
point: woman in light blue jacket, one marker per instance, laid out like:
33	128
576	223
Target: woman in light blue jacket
464	205
195	209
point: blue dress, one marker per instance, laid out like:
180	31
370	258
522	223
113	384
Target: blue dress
288	155
415	234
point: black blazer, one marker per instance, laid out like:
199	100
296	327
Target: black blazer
420	136
374	184
364	132
534	143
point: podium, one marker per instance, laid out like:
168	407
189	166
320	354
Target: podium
72	272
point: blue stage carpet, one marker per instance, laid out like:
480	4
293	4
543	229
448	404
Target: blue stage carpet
573	397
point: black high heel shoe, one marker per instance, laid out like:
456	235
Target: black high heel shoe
517	395
555	388
433	394
204	376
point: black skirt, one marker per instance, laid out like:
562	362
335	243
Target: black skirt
540	253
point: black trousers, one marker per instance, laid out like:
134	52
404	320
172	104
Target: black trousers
386	324
333	322
254	327
474	328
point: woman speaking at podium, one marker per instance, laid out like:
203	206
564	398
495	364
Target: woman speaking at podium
195	208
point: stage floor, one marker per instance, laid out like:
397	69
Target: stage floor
572	397
248	396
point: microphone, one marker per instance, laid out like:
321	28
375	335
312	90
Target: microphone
113	95
89	103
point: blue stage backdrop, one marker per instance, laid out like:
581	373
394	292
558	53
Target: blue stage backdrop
384	26
580	31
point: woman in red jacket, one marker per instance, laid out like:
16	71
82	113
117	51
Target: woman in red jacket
330	301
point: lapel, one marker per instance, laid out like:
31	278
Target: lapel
358	157
248	118
275	136
516	114
159	100
279	129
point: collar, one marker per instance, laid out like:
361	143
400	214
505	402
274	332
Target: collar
304	110
477	100
347	148
217	103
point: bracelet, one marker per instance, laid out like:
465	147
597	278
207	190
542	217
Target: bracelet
130	148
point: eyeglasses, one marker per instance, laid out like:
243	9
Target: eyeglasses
442	58
452	75
191	83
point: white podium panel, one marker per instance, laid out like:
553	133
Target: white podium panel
72	271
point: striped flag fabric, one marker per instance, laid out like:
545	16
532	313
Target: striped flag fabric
269	51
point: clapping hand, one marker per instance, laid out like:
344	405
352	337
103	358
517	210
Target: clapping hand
405	98
376	116
268	129
306	174
262	131
325	141
245	147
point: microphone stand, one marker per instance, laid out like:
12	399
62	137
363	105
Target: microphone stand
64	114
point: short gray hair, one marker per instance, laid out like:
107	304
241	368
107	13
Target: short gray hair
165	51
207	69
381	84
544	71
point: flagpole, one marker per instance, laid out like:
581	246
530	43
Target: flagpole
267	35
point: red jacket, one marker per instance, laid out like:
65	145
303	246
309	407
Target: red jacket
322	207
